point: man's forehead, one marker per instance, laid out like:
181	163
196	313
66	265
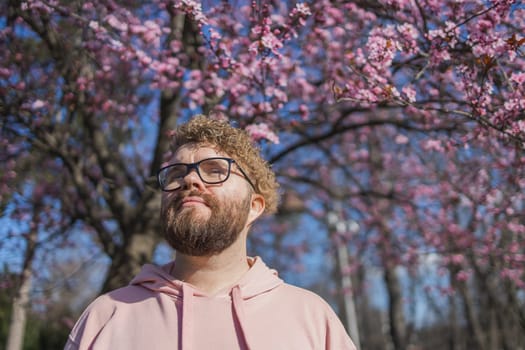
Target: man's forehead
197	151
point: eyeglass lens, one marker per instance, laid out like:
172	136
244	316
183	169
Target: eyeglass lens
211	171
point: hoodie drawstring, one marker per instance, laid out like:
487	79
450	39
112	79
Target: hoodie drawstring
187	317
238	308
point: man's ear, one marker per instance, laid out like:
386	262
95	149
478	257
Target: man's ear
256	208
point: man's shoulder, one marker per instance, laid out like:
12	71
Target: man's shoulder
299	291
125	295
301	295
309	311
103	307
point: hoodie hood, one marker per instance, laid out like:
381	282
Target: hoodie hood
258	280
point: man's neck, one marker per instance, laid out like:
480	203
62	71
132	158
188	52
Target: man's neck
210	274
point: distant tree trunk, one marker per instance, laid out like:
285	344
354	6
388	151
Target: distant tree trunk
19	314
395	308
346	299
494	334
387	251
473	322
454	337
17	324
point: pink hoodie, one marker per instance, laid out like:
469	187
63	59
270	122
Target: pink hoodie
259	312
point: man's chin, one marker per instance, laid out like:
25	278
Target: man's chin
200	212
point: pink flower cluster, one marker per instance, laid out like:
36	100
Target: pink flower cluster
194	9
262	131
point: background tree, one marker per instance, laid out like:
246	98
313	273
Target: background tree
408	113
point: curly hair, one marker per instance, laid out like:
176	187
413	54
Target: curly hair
236	143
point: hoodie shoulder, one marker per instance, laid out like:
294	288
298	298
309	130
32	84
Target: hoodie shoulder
301	295
91	322
299	306
99	313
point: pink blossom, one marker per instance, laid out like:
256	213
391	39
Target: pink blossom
447	291
254	48
401	139
366	95
5	72
462	276
115	44
37	5
512	274
303	9
300	12
381	50
150	31
194	9
303	111
215	35
511	104
448	34
116	23
196	98
38	104
396	4
519	126
94	25
279	94
270	41
457	259
106	106
409	34
438	56
262	131
144	58
518	77
433	145
410	93
194	80
87	6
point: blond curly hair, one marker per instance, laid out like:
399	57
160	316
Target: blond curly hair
237	144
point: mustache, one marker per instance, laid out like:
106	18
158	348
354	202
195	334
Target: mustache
207	198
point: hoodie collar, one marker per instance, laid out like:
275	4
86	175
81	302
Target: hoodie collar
257	280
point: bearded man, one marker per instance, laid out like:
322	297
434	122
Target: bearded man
213	295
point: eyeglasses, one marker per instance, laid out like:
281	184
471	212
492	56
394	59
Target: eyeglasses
211	171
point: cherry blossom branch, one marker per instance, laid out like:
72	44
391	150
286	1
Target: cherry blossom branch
315	139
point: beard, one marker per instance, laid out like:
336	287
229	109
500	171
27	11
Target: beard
190	233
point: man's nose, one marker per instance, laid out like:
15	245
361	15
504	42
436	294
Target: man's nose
193	180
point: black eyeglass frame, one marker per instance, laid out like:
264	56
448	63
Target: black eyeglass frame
191	166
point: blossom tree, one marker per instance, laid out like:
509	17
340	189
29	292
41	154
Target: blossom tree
386	107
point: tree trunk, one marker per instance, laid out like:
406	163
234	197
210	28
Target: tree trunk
17	325
346	299
387	251
18	317
454	334
142	237
473	323
395	308
127	262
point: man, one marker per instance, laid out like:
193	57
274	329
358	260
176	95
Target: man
212	296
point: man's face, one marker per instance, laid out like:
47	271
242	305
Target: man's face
201	219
